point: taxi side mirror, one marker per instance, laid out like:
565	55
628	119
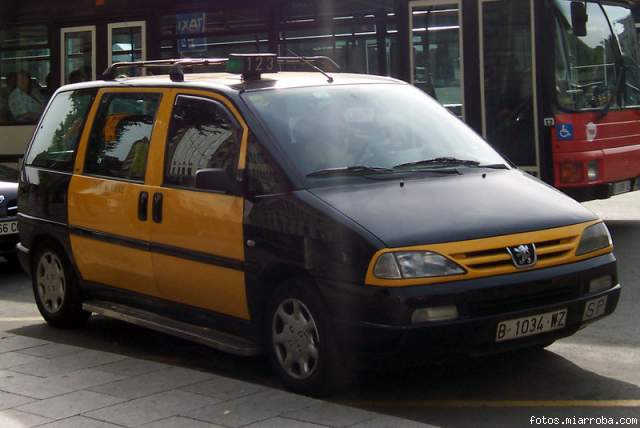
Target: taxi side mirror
217	180
579	18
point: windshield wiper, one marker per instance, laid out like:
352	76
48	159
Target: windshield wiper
450	161
349	170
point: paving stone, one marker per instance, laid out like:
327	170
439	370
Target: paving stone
331	414
16	343
283	423
39	388
8	400
152	383
7	377
252	408
85	378
51	350
224	388
180	422
12	359
18	419
78	422
67	363
64	406
383	421
131	367
151	408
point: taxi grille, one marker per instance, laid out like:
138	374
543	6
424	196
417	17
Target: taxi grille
498	260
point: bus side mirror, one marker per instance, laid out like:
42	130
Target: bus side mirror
579	18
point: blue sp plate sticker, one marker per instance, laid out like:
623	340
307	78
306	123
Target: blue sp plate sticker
564	131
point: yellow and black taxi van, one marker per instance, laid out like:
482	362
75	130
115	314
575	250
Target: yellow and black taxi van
316	217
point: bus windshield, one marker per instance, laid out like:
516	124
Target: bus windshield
369	125
587	68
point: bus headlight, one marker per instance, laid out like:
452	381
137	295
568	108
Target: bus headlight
595	237
414	264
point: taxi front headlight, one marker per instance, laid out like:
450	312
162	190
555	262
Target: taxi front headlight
414	264
595	237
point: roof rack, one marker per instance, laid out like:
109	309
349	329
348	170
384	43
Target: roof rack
177	66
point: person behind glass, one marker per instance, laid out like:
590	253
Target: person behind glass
76	76
25	103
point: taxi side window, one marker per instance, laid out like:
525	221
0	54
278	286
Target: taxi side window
55	143
121	135
264	176
202	135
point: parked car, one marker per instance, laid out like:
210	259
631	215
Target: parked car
8	213
324	219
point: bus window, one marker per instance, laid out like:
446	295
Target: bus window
25	74
507	63
586	72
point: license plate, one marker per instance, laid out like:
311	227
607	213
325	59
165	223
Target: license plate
594	308
531	325
621	187
8	228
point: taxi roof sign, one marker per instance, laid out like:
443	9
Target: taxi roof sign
252	65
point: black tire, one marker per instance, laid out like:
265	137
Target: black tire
56	289
328	373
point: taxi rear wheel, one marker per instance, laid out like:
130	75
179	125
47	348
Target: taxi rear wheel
300	347
55	288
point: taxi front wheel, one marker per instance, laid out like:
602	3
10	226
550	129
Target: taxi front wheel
55	288
300	347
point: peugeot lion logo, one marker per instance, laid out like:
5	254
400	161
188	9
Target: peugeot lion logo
1	199
524	255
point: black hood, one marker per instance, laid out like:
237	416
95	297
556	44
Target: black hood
450	208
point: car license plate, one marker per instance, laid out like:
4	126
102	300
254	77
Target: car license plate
531	325
9	228
621	187
594	308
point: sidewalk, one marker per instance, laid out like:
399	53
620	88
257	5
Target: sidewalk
54	385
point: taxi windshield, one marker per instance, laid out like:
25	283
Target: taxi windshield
375	127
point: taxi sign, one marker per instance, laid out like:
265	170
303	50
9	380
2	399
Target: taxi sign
252	65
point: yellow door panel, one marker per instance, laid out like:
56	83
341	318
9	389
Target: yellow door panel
206	223
108	209
202	285
110	242
107	206
117	271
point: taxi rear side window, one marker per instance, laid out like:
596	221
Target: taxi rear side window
121	134
55	143
202	135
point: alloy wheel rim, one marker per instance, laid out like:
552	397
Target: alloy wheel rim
295	339
50	282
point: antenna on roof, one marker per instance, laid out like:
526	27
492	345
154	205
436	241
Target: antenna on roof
312	65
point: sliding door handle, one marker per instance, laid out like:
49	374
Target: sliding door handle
157	207
143	204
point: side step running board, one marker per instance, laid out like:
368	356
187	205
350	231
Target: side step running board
215	339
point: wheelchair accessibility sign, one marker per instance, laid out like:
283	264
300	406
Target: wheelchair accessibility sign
564	131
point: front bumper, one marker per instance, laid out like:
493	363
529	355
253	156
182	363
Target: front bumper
482	305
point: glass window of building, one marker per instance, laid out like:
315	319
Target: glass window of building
25	74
